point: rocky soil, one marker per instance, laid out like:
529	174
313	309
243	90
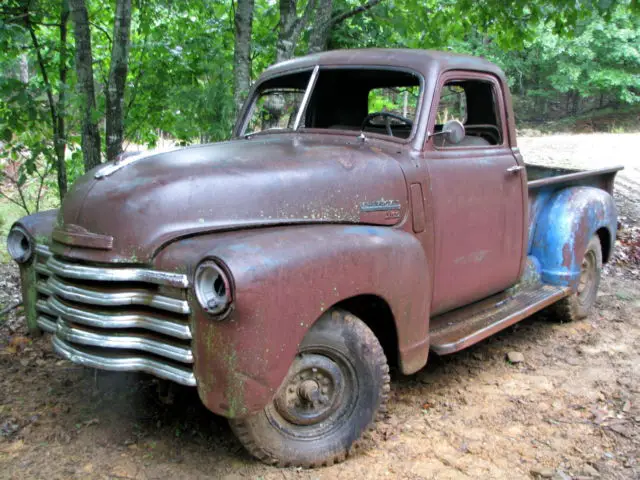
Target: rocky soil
540	400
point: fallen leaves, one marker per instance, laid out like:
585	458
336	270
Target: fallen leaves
17	344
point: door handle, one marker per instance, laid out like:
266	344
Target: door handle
515	168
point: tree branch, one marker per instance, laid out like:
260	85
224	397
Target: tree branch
15	202
301	22
356	11
103	30
43	71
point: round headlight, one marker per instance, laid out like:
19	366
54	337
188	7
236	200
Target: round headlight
213	288
19	245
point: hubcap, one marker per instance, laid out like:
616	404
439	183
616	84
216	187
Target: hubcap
312	391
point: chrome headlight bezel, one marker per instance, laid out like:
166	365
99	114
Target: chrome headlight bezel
213	287
20	245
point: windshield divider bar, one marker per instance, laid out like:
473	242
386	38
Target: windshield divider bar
306	97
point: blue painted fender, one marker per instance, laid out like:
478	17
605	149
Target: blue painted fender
569	219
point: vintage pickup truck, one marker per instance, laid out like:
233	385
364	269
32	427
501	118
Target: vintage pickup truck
372	207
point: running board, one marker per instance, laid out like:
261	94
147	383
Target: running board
461	328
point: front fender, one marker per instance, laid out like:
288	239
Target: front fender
285	278
39	226
570	218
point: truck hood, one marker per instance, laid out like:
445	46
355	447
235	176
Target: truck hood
128	215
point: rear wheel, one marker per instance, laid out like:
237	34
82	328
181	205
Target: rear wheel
333	391
580	303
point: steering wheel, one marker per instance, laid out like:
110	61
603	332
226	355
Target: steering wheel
387	116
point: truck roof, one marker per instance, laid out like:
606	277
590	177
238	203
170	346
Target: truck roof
427	62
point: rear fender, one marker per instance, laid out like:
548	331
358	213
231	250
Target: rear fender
568	220
285	279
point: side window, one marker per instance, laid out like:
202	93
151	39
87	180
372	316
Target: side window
474	104
453	105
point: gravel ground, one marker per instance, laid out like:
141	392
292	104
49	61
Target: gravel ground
571	409
591	151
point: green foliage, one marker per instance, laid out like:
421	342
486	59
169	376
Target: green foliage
180	71
562	58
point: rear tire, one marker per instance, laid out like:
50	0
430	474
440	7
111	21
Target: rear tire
580	303
334	389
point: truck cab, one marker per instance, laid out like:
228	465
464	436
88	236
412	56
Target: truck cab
372	207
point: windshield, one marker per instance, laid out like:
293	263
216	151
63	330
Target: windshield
275	109
379	101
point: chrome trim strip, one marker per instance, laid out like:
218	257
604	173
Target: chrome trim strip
124	363
126	320
116	274
126	159
130	342
380	206
58	287
46	324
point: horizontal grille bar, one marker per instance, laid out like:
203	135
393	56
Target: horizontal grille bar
43	251
98	317
43	269
44	289
93	297
47	324
125	362
123	341
121	320
120	274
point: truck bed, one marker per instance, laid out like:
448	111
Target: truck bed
542	176
544	181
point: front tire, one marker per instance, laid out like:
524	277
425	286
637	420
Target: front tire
334	389
580	303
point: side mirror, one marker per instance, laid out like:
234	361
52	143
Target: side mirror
453	131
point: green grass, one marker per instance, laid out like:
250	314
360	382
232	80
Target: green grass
10	212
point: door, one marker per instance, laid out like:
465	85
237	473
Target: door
477	194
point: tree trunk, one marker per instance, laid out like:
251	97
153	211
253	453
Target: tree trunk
84	70
60	137
242	51
290	27
24	68
117	79
321	30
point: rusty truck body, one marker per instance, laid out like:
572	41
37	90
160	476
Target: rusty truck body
372	207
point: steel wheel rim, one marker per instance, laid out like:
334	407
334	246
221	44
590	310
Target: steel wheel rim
308	419
588	278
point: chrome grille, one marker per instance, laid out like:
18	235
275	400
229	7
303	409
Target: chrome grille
116	318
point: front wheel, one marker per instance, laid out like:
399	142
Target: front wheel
579	304
332	393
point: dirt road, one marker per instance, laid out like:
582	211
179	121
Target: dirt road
570	410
